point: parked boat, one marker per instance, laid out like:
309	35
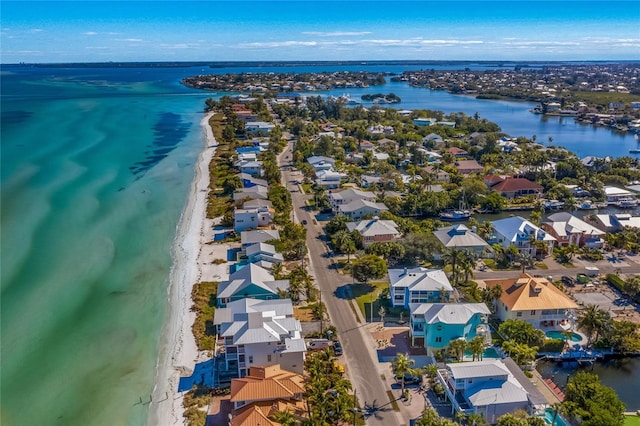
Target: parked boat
552	204
627	203
455	215
634	151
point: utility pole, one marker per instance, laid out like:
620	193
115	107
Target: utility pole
355	410
321	312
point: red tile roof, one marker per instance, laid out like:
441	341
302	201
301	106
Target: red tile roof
516	184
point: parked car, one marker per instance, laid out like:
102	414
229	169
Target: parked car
304	221
337	348
567	280
318	344
409	379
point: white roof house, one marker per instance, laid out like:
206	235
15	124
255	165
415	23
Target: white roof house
359	208
418	285
490	388
348	195
260	332
519	232
250	281
263	252
461	237
568	229
613	193
448	313
248	238
375	230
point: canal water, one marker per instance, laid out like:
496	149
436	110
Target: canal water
623	375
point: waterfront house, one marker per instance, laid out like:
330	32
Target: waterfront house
422	122
262	253
259	127
461	237
532	299
265	391
522	234
614	222
254	217
568	229
251	281
490	388
248	238
435	325
257	192
249	181
418	285
253	168
358	209
511	187
339	198
614	194
259	333
375	230
467	167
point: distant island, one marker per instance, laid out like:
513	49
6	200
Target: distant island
391	98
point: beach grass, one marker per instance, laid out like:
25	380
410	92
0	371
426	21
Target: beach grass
204	305
194	401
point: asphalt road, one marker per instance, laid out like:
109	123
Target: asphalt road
359	351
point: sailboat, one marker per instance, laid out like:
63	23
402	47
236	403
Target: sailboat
456	215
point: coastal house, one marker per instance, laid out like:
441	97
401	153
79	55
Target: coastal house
339	198
461	237
250	167
467	167
435	325
424	122
252	217
319	163
522	234
265	391
532	299
256	192
375	230
367	181
490	388
614	195
248	238
440	175
263	254
568	229
433	140
510	187
614	222
259	127
259	333
418	285
360	208
251	281
458	152
249	181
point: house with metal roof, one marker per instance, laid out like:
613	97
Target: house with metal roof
436	325
265	391
461	237
358	209
522	234
251	281
490	388
340	198
259	333
248	238
375	230
534	300
568	229
418	285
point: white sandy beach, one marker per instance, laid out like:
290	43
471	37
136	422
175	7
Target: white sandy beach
192	263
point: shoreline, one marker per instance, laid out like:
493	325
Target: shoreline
178	353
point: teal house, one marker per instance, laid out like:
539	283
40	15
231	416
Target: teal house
435	325
251	281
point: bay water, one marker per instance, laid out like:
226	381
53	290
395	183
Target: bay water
96	165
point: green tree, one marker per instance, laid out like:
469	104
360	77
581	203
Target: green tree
457	348
594	321
521	332
285	418
402	365
368	267
592	402
476	346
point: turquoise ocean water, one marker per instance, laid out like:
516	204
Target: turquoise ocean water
96	166
96	169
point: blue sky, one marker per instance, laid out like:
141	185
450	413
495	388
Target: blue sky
94	31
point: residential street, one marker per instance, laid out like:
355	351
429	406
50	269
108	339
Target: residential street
359	347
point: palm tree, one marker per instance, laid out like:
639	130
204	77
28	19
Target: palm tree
401	365
557	407
525	259
594	321
457	347
276	271
285	418
454	257
476	346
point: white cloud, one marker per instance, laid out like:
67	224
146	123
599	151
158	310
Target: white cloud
36	30
336	33
90	33
275	44
180	45
135	40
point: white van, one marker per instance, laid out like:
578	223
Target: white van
318	344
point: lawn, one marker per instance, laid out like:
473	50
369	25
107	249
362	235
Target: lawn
365	293
631	420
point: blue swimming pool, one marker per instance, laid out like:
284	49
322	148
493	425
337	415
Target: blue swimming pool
548	417
489	353
575	337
